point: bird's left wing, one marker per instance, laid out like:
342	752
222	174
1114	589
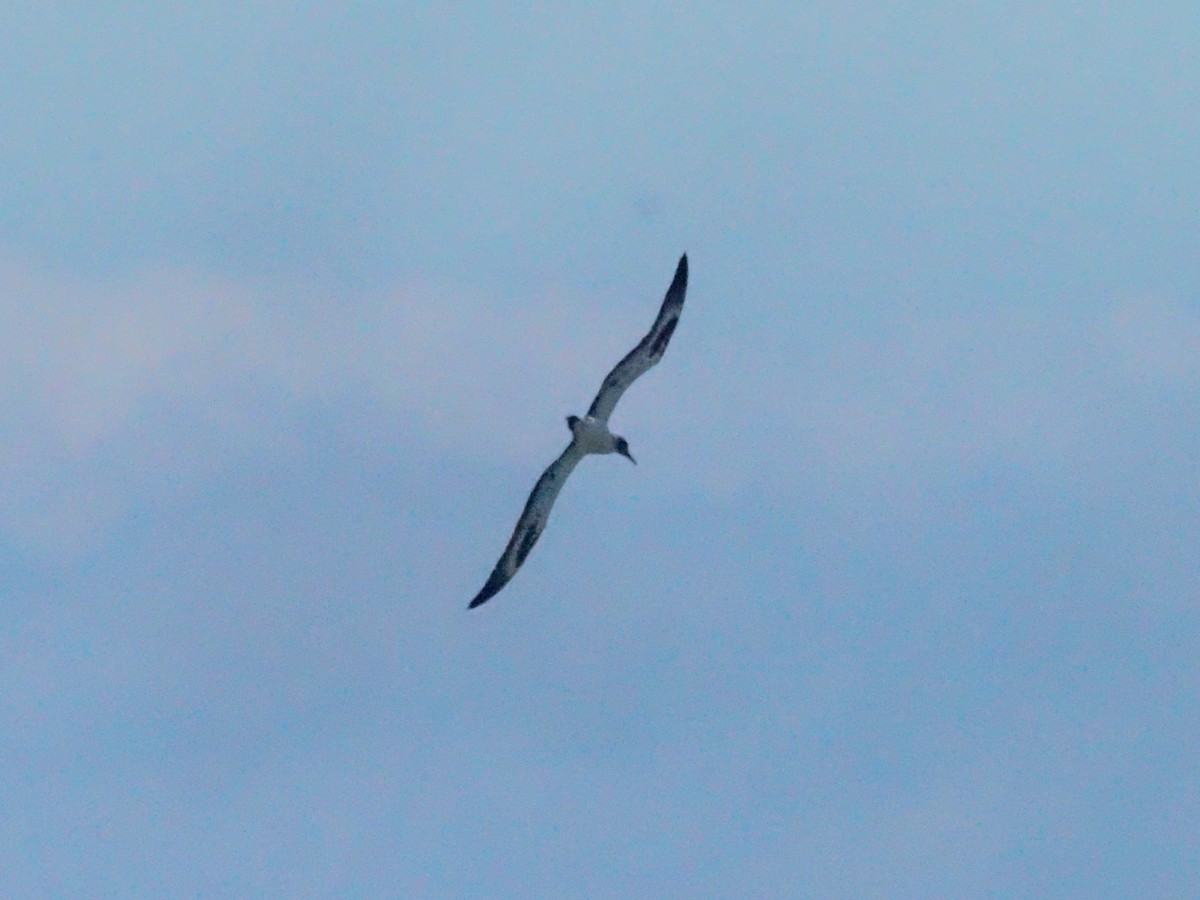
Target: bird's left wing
532	521
648	351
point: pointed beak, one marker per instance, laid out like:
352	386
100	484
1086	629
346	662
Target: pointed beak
629	456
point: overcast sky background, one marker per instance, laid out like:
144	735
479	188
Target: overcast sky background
901	600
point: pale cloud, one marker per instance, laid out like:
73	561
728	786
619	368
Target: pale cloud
162	376
113	387
1155	340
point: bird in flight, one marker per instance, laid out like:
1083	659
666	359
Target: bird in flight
589	434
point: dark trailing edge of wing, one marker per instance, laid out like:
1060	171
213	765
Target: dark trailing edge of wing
660	342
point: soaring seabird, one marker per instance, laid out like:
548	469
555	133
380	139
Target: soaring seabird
589	434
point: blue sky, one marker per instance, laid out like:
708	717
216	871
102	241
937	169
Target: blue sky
900	601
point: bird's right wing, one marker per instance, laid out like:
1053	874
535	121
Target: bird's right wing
649	349
532	521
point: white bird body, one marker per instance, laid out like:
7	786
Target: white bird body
592	435
589	434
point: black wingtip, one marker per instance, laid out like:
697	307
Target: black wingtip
679	282
494	583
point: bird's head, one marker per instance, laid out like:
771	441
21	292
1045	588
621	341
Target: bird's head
622	447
